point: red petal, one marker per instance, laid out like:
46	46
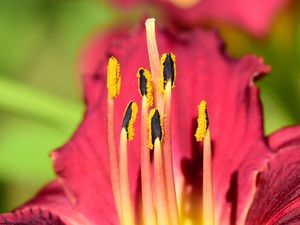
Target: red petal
83	169
286	137
204	72
50	206
30	216
82	164
251	15
235	119
277	199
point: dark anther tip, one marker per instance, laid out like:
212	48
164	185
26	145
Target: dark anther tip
143	82
127	116
169	69
156	129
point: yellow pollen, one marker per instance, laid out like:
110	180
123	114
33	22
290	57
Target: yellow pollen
167	72
129	119
202	121
113	77
149	85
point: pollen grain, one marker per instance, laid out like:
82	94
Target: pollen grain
113	77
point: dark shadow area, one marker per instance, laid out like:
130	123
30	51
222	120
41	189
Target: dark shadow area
232	197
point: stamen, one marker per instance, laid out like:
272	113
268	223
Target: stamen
145	85
154	60
126	206
146	89
160	190
208	195
168	70
113	85
113	77
167	157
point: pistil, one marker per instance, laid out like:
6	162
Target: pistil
145	89
154	61
127	132
113	86
203	134
155	137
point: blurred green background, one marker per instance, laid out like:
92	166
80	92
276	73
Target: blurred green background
40	93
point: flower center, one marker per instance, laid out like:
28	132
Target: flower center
159	201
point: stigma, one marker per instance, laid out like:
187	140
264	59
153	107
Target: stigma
160	205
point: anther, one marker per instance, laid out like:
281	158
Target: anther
129	119
202	120
168	70
113	77
155	127
145	85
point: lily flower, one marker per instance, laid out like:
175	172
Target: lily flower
251	15
113	172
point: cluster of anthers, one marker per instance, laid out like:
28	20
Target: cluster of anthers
159	202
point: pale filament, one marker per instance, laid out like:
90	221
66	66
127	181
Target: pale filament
167	158
126	206
149	215
208	195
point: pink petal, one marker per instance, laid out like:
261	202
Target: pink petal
204	72
277	199
285	137
251	15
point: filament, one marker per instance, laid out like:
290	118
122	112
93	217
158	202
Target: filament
168	159
147	194
127	211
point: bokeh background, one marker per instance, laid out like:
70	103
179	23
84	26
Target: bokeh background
40	89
